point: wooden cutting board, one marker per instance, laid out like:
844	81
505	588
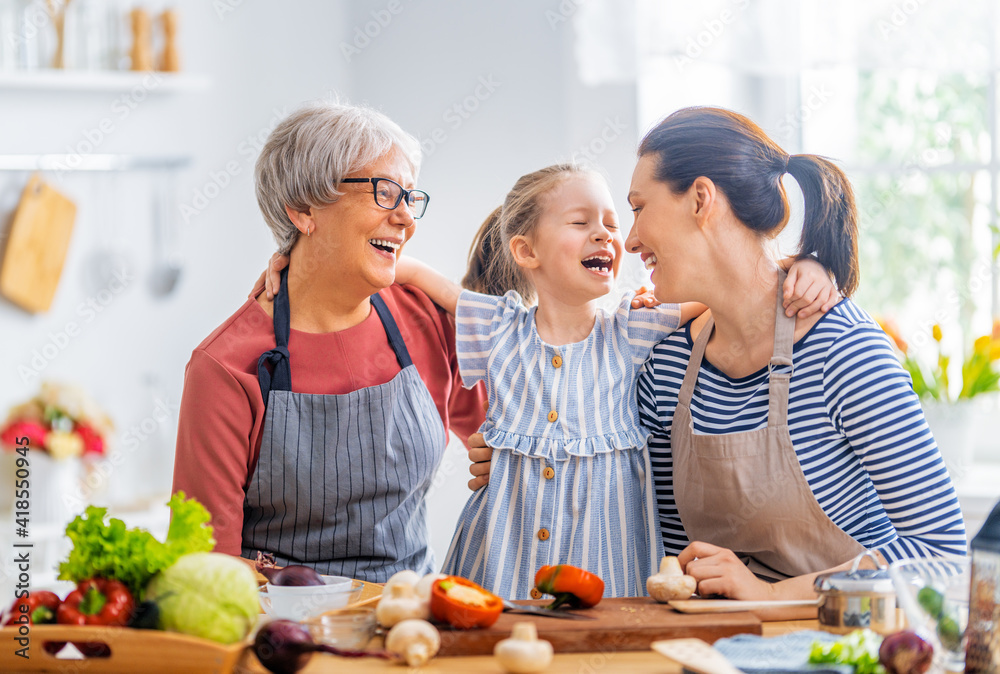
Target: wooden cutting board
37	245
619	625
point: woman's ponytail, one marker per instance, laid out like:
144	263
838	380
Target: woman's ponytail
830	222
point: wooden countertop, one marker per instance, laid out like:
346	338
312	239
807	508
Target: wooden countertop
638	662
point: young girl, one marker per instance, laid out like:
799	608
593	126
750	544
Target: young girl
570	478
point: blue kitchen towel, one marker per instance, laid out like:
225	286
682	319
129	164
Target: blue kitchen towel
786	654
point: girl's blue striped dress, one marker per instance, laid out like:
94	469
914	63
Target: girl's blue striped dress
570	481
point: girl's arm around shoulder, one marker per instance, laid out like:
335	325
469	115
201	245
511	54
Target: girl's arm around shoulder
414	272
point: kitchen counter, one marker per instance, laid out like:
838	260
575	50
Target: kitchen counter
637	662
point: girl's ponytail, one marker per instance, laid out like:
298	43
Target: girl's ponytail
492	270
830	222
488	272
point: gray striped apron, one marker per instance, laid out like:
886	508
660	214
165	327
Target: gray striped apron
341	480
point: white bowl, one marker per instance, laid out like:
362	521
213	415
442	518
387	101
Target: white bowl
297	602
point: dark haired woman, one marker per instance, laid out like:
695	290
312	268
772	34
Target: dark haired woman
781	447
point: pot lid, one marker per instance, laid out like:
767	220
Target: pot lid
857	580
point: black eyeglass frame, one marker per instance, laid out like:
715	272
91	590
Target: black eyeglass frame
403	194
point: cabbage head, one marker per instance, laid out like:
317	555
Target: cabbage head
208	595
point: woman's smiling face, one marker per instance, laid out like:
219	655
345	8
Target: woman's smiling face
664	225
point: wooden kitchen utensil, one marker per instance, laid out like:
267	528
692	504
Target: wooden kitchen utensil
695	655
37	245
142	40
57	15
170	60
619	625
767	611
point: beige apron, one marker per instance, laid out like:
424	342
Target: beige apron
746	491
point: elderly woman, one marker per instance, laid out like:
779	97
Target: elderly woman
311	425
781	446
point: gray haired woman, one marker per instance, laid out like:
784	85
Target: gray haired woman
312	423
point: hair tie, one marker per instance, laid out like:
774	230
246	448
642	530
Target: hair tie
784	169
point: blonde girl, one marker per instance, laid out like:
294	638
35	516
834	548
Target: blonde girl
570	478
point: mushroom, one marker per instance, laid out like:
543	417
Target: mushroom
670	582
424	586
523	652
400	602
415	641
405	577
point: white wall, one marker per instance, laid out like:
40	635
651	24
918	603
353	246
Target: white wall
264	59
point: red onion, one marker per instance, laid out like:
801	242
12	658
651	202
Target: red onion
284	647
905	653
293	574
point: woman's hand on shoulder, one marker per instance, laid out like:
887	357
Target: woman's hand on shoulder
720	572
809	289
272	275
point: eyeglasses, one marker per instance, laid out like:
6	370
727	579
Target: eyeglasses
388	194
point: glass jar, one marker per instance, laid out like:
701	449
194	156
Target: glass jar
858	598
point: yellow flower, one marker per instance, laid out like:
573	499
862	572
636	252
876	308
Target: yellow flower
982	344
62	445
936	332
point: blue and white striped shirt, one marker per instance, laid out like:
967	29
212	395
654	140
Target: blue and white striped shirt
570	480
855	423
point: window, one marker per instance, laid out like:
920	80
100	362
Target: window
901	93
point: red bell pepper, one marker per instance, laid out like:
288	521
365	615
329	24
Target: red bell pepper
97	602
570	585
39	606
463	604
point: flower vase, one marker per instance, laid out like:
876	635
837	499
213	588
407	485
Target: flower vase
953	429
55	484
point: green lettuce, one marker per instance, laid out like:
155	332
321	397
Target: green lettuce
133	556
859	648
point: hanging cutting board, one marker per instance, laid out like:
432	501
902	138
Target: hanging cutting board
618	625
36	247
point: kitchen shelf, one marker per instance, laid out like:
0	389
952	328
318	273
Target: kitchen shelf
90	162
112	81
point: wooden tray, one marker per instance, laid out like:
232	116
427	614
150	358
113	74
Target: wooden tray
116	649
619	625
120	649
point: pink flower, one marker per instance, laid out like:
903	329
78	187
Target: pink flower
32	430
93	443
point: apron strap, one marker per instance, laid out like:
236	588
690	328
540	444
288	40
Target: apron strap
392	331
784	344
279	378
781	357
697	354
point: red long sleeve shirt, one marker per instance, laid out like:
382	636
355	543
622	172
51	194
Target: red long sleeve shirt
222	411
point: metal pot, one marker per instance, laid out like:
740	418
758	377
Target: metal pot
857	599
